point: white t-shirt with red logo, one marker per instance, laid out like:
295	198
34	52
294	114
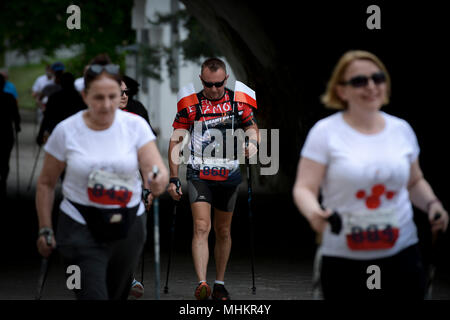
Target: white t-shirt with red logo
366	183
110	152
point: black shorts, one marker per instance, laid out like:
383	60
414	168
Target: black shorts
222	197
402	276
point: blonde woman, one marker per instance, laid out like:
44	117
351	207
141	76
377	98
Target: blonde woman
365	164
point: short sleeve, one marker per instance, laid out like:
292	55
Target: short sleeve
412	139
246	115
56	143
143	132
182	120
36	85
316	144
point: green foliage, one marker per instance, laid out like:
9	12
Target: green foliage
28	25
23	78
105	25
198	44
150	57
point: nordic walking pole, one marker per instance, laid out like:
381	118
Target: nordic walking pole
145	195
43	271
172	238
34	168
156	238
250	220
432	267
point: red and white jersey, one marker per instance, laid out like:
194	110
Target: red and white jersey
222	114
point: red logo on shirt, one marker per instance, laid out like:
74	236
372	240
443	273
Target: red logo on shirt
373	201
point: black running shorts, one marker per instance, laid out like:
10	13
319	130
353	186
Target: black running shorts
222	197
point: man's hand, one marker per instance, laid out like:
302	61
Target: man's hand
174	189
46	244
251	149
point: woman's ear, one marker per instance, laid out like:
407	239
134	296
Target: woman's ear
341	92
83	95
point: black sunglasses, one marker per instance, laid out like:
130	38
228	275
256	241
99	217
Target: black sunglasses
363	81
109	68
126	91
211	84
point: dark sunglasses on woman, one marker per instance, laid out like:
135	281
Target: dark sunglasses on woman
363	81
126	91
211	84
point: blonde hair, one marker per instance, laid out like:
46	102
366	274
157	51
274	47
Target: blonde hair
330	98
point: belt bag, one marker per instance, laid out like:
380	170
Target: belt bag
108	224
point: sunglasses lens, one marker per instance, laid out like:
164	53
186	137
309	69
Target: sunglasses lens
379	78
96	68
215	84
359	81
219	84
112	68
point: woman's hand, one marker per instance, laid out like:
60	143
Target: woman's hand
158	184
438	217
318	219
149	201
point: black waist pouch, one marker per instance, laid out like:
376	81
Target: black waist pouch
107	224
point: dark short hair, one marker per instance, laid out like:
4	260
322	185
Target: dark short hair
214	64
67	80
103	60
2	82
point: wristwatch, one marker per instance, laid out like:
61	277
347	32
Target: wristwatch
48	233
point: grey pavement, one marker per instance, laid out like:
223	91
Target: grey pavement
284	246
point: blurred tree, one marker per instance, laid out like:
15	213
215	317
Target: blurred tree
198	43
29	25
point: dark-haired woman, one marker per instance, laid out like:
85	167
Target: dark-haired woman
101	228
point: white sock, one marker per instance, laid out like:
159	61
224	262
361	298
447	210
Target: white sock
201	281
219	282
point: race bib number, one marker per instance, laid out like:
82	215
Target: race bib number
371	230
107	188
216	173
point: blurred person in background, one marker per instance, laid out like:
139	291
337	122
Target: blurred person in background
9	122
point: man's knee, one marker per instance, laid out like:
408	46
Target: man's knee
201	228
223	232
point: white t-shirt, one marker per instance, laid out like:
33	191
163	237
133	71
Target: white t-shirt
79	84
40	83
367	175
84	150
